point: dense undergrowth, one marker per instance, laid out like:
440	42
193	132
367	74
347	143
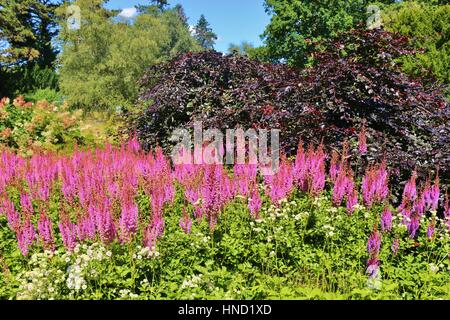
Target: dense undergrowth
116	223
356	83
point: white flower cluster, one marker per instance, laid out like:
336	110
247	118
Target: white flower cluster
127	294
82	257
41	282
285	210
145	252
329	230
192	282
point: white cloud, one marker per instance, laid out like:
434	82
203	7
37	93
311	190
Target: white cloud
128	13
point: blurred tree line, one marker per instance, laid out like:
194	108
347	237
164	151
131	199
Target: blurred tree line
97	63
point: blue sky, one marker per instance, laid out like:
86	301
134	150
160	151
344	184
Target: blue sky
233	21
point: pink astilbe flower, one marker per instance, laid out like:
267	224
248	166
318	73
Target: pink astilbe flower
352	201
281	184
408	208
316	164
301	169
417	211
45	231
133	145
431	194
309	169
255	203
26	205
431	229
153	232
104	221
335	167
395	246
86	228
245	178
12	215
413	226
362	141
68	232
128	221
26	236
212	199
386	220
375	185
373	248
410	191
340	188
344	188
68	176
186	222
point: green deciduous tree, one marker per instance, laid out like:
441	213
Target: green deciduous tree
296	25
102	60
204	34
428	25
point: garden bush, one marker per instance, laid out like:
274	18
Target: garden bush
354	84
29	127
118	223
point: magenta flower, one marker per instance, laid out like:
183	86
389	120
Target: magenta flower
413	226
45	230
375	185
68	233
255	203
153	232
128	221
373	248
362	141
26	205
334	166
186	222
386	220
431	229
26	236
395	246
374	243
13	217
410	191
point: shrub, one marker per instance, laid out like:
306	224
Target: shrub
355	82
428	27
47	94
28	127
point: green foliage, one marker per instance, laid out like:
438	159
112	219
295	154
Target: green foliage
26	32
26	78
428	27
303	248
47	94
29	127
296	25
204	34
102	61
27	53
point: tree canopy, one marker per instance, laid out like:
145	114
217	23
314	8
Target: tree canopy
204	34
102	60
296	26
